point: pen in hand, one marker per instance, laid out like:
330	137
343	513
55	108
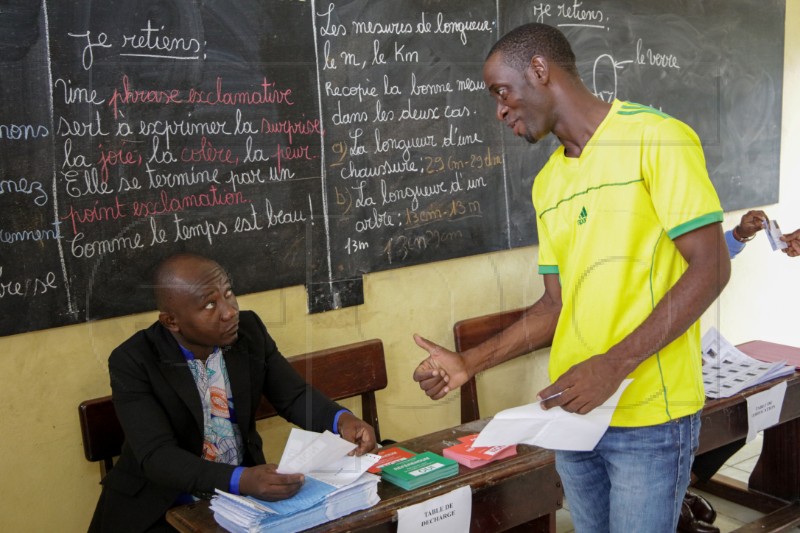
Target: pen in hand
556	395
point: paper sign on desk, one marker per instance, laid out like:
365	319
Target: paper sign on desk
554	428
764	409
449	513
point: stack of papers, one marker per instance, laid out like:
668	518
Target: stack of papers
473	457
770	352
336	485
727	370
419	470
390	456
316	503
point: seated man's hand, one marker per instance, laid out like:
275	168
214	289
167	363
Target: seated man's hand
265	483
441	372
353	429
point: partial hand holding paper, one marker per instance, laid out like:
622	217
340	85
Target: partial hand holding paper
323	456
554	428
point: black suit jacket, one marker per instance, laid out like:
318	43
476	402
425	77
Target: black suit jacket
158	406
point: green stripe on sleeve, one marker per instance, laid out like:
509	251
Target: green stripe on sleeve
548	269
629	108
692	225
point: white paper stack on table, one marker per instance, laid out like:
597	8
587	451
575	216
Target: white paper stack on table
335	485
727	370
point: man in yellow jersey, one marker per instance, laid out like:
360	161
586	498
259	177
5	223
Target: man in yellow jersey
632	252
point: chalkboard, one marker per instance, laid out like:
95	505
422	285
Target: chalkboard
311	142
717	65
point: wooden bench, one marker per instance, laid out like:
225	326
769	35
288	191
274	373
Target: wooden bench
774	487
343	372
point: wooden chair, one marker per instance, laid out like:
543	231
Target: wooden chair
470	333
101	432
343	372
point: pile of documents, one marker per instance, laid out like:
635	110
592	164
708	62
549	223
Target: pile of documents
336	485
475	456
420	470
316	503
727	370
770	352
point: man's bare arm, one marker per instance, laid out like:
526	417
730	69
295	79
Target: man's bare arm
445	370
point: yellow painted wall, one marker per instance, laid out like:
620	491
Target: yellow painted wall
47	485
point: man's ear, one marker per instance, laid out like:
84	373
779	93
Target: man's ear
167	319
538	72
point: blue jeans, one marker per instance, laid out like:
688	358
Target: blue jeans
633	481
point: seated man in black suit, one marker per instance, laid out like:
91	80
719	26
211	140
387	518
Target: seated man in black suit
186	392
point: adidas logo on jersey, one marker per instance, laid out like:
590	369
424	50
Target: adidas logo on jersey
582	216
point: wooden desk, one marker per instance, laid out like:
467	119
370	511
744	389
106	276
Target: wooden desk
526	487
506	493
775	480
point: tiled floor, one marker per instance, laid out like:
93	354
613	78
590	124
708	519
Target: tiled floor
729	516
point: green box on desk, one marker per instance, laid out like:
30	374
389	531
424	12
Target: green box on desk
419	470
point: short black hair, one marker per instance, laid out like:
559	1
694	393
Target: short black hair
165	276
521	44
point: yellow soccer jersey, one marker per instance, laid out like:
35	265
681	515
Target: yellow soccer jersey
606	224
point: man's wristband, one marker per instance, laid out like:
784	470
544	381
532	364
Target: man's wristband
235	478
739	237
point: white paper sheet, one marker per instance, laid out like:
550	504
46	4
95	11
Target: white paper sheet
554	428
323	456
346	470
306	451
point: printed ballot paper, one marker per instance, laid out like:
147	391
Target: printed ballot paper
554	428
728	371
